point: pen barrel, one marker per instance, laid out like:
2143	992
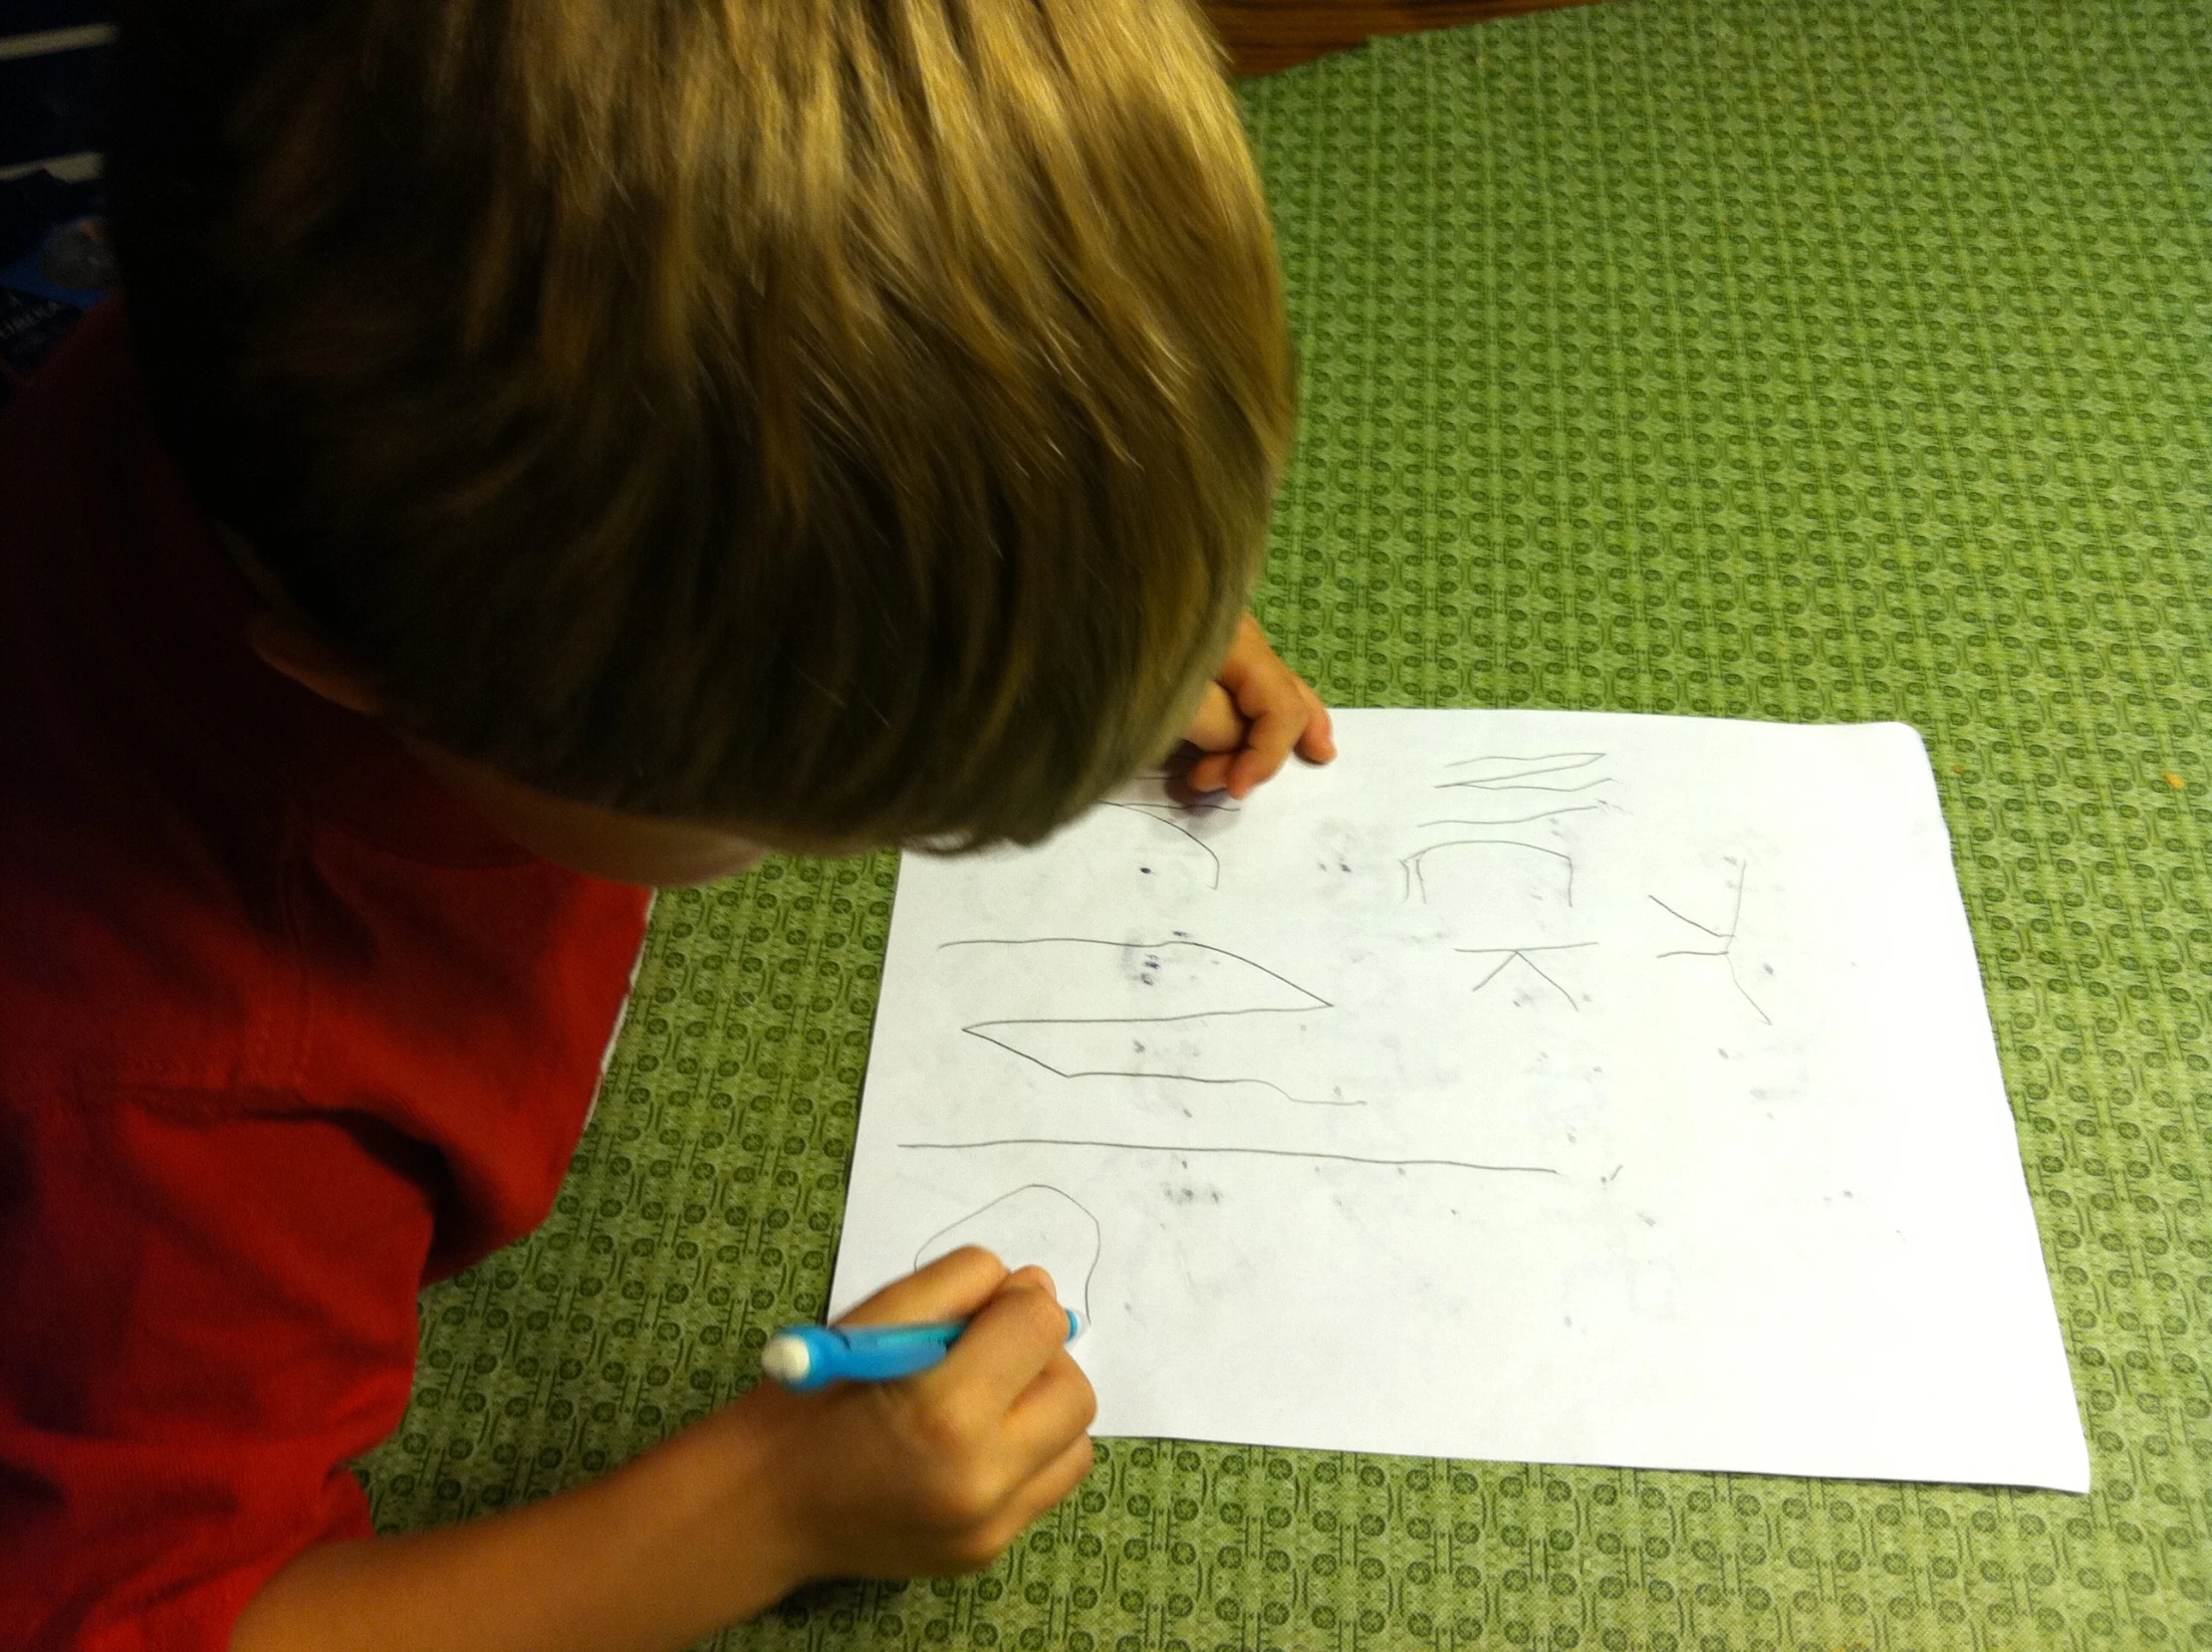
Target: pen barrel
805	1357
880	1354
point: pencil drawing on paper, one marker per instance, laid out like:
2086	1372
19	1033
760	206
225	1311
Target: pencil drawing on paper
1508	956
1035	1224
1147	799
1520	774
1186	1149
1164	816
1725	939
1508	855
1177	1024
1482	1035
1416	864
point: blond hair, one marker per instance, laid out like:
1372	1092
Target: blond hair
852	418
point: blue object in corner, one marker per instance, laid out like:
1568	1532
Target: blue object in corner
805	1357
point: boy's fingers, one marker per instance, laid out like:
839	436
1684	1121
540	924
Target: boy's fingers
1274	728
1210	773
1319	743
951	1288
1251	719
1012	1339
1050	1486
1216	725
1052	1410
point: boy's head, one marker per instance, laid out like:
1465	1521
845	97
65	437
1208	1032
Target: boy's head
852	419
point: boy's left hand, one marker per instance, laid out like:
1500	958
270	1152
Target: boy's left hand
1254	713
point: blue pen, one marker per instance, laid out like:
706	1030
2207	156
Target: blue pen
811	1356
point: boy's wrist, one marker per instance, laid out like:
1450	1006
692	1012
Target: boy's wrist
727	1479
670	1548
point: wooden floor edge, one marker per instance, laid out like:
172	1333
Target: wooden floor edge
1264	36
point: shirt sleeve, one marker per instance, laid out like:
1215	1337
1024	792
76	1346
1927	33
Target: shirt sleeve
210	1311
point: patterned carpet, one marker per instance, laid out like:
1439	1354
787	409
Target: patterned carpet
1781	358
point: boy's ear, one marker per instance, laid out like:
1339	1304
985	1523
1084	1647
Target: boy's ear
289	647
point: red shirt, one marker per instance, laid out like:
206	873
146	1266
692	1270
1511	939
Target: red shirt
285	1031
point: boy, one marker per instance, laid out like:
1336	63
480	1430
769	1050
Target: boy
598	440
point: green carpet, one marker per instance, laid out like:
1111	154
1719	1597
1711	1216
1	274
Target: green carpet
1778	358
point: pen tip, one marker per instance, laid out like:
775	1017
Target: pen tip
786	1360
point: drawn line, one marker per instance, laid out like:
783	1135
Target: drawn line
1164	777
1254	1152
1557	762
984	1029
1518	820
1097	1233
978	1030
1155	1020
1725	952
1520	955
1415	876
1318	1003
1553	946
1144	814
1520	786
1556	987
1748	999
1167	809
1692	922
1494	974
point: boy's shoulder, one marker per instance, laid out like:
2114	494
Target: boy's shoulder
285	1033
221	889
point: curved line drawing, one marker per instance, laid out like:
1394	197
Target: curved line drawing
1416	878
1726	951
1097	1233
1255	1152
1520	954
983	1030
1145	812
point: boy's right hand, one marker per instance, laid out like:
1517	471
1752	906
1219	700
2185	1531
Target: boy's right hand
938	1472
935	1473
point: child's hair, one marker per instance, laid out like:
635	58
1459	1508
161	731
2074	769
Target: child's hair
852	418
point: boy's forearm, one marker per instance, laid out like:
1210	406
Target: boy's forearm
651	1557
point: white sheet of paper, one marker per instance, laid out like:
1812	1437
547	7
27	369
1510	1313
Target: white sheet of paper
1570	1087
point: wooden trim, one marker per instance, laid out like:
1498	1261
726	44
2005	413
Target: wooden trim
1266	35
